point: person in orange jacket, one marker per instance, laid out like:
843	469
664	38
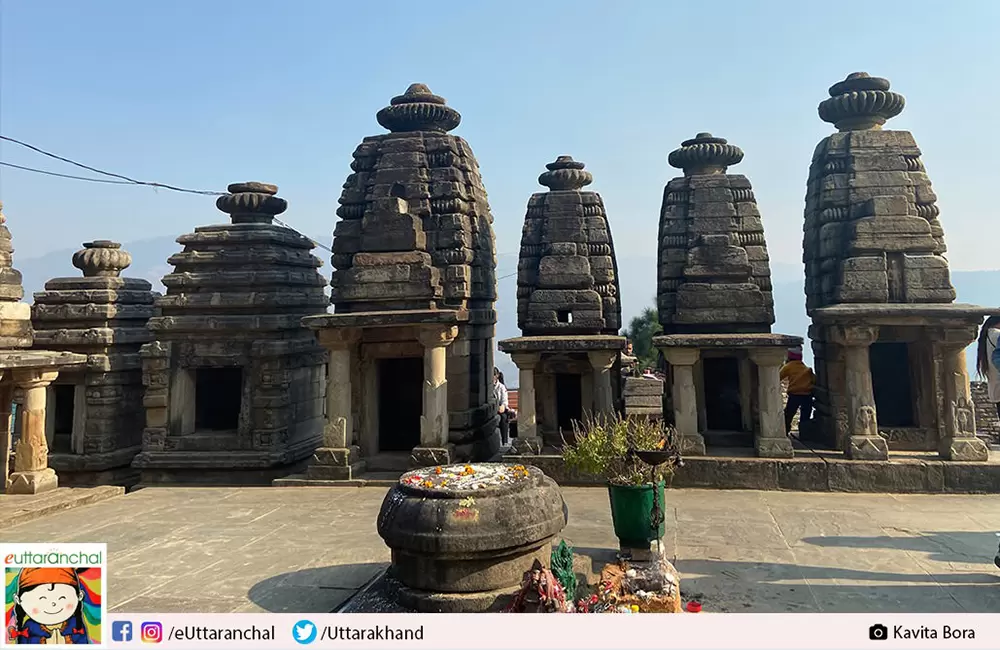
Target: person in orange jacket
800	379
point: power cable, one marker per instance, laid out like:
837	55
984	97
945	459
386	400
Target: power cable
76	178
104	173
119	179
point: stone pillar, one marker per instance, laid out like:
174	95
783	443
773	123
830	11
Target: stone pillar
435	448
338	458
699	389
959	441
602	361
746	398
32	473
771	441
6	404
864	441
527	441
685	399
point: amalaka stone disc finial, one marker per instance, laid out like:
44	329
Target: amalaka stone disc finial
565	174
861	102
102	259
705	154
418	109
252	202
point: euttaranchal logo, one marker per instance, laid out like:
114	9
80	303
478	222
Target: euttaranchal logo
54	594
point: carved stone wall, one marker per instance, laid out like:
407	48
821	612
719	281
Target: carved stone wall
987	422
567	279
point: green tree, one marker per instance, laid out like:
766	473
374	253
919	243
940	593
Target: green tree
641	331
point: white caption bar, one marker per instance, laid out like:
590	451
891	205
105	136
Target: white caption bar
553	631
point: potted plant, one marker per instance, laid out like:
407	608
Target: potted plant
606	446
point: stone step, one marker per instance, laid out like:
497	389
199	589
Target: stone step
393	461
728	439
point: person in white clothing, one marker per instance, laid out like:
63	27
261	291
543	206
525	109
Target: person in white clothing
503	406
989	334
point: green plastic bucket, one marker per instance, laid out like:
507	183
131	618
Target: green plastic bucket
631	511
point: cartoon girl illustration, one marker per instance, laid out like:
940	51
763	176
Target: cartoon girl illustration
50	606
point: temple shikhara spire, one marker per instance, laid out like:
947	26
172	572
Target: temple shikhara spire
872	233
713	264
567	280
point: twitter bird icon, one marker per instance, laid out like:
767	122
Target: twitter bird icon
304	632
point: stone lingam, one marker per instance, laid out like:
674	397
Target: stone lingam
463	536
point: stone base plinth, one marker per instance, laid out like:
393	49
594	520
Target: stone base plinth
809	471
218	477
867	448
430	456
774	447
335	464
527	446
692	444
438	602
964	449
33	481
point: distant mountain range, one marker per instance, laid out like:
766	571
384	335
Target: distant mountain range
637	275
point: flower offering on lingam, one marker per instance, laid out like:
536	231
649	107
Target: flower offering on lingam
475	476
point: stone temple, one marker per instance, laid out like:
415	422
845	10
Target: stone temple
234	384
96	414
567	309
30	373
887	339
413	289
716	308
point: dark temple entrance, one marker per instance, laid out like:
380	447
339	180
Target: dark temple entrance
218	398
64	396
891	383
569	400
721	379
400	403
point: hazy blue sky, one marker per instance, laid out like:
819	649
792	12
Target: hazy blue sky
205	93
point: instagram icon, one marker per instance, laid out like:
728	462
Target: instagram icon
151	632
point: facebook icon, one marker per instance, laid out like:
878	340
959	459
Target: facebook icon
121	631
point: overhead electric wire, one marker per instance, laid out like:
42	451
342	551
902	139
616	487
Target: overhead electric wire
110	174
119	179
76	178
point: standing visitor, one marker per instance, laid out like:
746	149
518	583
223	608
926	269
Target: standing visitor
986	359
800	380
503	406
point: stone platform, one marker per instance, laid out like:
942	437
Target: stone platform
809	471
310	550
21	508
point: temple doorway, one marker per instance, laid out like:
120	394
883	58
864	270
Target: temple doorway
218	399
569	400
64	413
721	377
400	403
892	384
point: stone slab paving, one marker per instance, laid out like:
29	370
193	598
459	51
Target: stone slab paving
309	549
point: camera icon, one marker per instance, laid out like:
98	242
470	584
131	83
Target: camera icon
878	632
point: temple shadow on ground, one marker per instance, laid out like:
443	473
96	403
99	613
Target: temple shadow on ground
951	546
315	590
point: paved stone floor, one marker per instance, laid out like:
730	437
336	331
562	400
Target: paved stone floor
309	549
